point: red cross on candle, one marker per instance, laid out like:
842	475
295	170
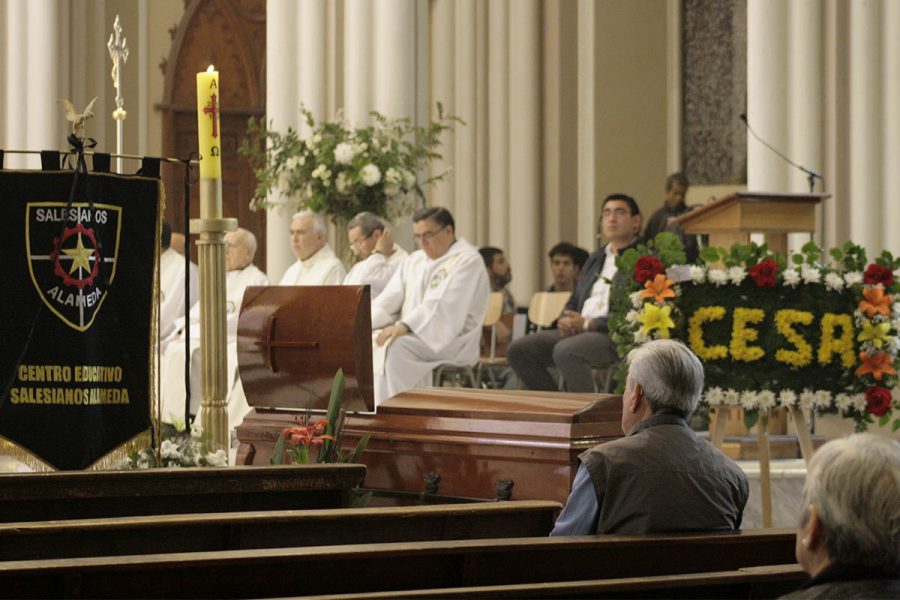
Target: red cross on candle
212	109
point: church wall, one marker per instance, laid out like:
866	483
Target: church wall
631	109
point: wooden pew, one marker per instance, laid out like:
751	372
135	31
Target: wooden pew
273	529
752	582
90	494
277	572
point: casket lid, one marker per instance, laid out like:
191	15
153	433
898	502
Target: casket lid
505	405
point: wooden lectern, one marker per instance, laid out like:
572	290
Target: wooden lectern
426	444
291	341
731	220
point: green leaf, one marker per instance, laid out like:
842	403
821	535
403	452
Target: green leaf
334	411
710	255
883	420
278	452
750	418
810	247
797	259
836	254
896	425
360	448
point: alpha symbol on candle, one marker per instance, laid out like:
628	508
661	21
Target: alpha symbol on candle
212	109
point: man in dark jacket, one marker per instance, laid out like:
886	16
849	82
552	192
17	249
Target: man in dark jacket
581	341
661	477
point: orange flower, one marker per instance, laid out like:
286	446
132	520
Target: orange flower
878	365
659	288
876	301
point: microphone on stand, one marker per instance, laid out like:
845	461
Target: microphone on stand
811	175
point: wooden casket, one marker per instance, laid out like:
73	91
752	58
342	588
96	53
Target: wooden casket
431	442
479	443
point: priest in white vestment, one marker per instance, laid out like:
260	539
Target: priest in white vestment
240	249
372	242
171	284
432	308
316	263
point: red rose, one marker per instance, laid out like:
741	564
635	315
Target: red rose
878	400
876	274
764	273
647	268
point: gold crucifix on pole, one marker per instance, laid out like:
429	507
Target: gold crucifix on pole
118	52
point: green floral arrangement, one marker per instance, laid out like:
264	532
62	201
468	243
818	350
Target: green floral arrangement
182	449
772	330
325	435
340	171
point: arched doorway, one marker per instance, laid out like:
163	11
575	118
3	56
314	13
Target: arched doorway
230	34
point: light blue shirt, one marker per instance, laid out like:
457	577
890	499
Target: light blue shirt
579	517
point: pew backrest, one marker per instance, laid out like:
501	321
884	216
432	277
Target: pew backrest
273	529
275	572
91	494
753	582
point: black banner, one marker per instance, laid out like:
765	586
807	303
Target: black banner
75	323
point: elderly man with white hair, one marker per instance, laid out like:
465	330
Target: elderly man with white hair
240	273
661	477
316	263
849	534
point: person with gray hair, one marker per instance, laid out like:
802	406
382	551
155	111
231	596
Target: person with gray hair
316	262
373	244
849	534
240	273
661	477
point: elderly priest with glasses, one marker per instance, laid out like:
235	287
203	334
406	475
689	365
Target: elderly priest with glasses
431	310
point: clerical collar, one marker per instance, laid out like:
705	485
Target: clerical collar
318	255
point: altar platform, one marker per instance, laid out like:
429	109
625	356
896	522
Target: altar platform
787	477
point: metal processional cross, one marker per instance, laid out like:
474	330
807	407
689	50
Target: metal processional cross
118	52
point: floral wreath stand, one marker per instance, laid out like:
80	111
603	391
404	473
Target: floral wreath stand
717	437
798	332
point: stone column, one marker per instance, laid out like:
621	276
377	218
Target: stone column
393	84
524	144
358	65
767	47
498	123
282	110
442	84
766	92
465	157
15	107
890	119
805	110
587	102
865	124
311	56
33	120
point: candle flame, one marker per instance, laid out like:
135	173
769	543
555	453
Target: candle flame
210	69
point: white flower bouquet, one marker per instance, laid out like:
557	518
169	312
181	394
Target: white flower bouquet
184	449
340	171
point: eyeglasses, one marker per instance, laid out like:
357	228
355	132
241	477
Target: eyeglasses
619	212
360	241
423	237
